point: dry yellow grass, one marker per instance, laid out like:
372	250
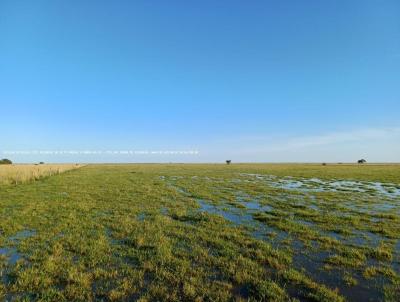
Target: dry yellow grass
14	174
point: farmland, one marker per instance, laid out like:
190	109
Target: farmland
258	232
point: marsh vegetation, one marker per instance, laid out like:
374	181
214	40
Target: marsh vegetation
203	233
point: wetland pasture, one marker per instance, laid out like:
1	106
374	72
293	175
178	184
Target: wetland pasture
203	232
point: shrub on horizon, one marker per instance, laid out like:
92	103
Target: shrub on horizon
5	161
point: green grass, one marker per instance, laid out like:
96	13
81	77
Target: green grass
138	232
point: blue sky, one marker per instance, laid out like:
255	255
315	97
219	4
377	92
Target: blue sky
250	81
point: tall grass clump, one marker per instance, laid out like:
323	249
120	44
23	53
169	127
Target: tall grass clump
15	174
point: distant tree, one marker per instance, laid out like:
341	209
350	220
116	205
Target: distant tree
361	161
324	164
41	163
228	162
5	161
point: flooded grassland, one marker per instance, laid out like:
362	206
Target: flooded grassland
203	233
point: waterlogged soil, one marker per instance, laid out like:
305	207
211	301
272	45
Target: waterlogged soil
203	233
298	223
318	185
11	254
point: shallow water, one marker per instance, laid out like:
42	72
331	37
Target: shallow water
241	218
230	215
141	216
312	260
11	254
254	205
318	185
365	290
22	235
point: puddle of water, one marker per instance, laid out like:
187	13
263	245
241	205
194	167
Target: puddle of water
164	211
180	190
372	208
238	218
384	206
11	254
141	216
229	214
290	184
365	290
22	235
364	238
109	234
254	205
305	222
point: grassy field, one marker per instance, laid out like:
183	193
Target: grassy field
203	233
15	174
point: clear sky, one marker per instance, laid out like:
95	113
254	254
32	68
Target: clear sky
241	80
